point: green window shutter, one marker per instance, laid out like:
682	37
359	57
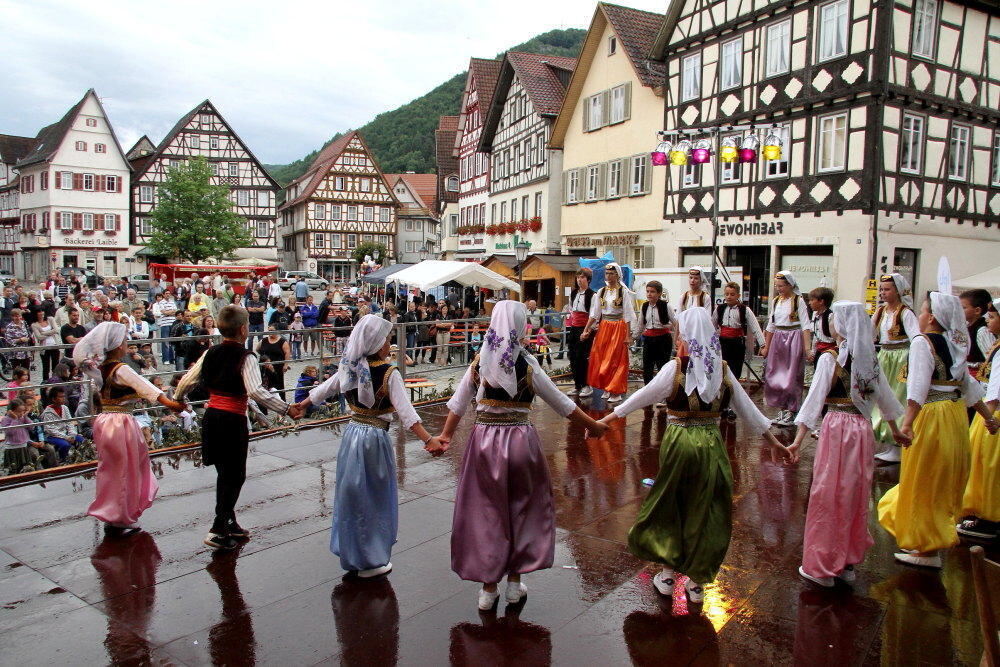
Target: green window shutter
628	100
605	107
586	114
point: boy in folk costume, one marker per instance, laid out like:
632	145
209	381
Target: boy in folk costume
125	483
231	375
580	302
738	329
504	521
614	310
787	340
656	319
975	303
685	523
921	511
822	323
981	502
848	383
895	325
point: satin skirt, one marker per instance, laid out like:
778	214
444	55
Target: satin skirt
608	368
836	531
504	520
891	361
784	372
685	522
921	511
982	493
125	483
365	499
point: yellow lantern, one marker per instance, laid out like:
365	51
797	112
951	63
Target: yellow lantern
679	155
728	151
772	147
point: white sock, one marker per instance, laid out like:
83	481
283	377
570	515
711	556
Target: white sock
667	573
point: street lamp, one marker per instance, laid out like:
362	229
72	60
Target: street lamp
423	253
521	254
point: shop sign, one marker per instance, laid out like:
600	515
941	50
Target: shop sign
510	245
871	296
752	229
72	240
593	241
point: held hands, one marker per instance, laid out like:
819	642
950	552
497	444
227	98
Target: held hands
811	356
905	438
793	450
597	430
763	352
992	425
296	410
438	444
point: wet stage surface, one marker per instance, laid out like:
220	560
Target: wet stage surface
70	596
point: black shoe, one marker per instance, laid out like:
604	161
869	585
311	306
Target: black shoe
224	542
120	531
234	529
977	528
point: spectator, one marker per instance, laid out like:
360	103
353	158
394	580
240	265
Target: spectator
301	288
19	450
45	333
182	327
442	335
48	304
87	318
165	311
132	357
62	313
281	318
61	373
196	346
7	304
107	288
138	328
208	324
130	301
296	338
255	307
219	302
217	282
198	300
307	381
16	335
19	378
182	292
62	289
411	317
342	323
155	288
276	348
310	320
72	332
63	435
273	288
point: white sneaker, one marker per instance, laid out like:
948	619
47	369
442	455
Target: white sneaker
664	583
586	391
695	592
893	454
789	418
825	582
933	562
375	571
515	592
616	398
815	433
487	599
573	392
780	419
848	574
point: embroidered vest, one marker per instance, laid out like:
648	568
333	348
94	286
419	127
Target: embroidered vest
113	393
498	397
942	362
690	405
794	315
897	332
983	375
381	371
618	302
684	299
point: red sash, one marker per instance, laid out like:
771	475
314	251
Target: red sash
656	332
577	318
227	403
731	332
822	347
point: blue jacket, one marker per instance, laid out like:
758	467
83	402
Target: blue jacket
310	315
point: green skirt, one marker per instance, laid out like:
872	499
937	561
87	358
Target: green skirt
891	361
685	522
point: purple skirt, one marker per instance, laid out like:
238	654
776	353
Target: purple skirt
504	519
784	374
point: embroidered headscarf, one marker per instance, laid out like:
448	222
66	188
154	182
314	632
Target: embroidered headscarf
787	275
947	310
902	286
91	350
854	324
367	338
502	347
701	272
704	372
622	290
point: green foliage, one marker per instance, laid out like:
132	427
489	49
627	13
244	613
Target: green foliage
403	139
193	219
369	248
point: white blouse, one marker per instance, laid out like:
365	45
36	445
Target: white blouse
601	307
543	385
689	300
910	325
817	328
397	395
731	319
920	370
811	412
661	387
651	320
993	386
579	304
127	377
781	314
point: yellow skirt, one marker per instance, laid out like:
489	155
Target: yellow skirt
921	511
982	493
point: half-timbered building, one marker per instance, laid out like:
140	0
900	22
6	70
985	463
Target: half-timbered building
448	185
469	235
12	149
204	132
612	198
416	222
887	113
523	198
341	201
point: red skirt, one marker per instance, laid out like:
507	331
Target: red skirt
608	368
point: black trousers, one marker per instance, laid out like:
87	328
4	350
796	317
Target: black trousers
655	355
224	442
579	355
733	352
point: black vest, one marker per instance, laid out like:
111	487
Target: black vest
720	312
942	357
976	356
498	397
113	393
661	309
824	322
680	401
380	383
222	369
841	387
987	368
588	296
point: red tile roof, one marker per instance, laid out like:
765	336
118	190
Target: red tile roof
636	31
424	186
13	147
486	73
537	73
319	168
447	163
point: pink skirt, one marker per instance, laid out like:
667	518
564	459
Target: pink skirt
784	373
836	532
125	483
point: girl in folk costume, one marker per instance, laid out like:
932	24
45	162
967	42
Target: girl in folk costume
981	503
920	511
580	302
696	296
656	319
738	329
821	325
685	523
365	504
504	521
895	325
849	383
787	339
614	310
125	483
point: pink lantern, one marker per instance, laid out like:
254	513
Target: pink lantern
659	156
748	151
702	152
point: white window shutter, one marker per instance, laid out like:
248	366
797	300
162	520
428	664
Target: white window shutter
647	175
602	180
628	100
565	187
586	114
605	107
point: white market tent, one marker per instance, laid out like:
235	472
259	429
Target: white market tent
987	280
432	273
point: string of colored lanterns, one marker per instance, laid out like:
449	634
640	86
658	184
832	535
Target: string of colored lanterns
700	151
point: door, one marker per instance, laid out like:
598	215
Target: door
756	281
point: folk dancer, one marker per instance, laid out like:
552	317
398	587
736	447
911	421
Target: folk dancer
656	319
738	328
694	297
580	302
822	323
614	311
787	339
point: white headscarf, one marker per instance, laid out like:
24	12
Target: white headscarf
854	324
367	338
947	310
91	350
704	372
704	276
618	270
502	347
903	287
787	275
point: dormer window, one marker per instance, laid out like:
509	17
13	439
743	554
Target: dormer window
612	45
452	184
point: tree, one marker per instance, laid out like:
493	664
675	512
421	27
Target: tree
193	219
369	248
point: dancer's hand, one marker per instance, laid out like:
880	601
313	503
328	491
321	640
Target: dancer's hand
907	434
763	352
993	425
794	452
597	430
436	446
811	356
295	411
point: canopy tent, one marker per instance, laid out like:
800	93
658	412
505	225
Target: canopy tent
253	261
378	277
987	280
434	273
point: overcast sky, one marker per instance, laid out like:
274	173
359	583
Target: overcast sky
286	75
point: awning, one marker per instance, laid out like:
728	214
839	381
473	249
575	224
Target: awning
987	280
434	273
378	277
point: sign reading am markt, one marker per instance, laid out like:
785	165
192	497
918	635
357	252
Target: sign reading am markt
593	241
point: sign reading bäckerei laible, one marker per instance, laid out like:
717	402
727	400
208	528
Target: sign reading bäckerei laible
593	241
751	228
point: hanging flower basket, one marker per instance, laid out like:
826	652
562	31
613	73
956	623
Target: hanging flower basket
523	226
535	224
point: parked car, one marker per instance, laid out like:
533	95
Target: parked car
287	279
140	280
93	280
5	277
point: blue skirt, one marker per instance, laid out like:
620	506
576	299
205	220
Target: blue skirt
365	502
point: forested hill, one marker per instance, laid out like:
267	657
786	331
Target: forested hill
403	139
